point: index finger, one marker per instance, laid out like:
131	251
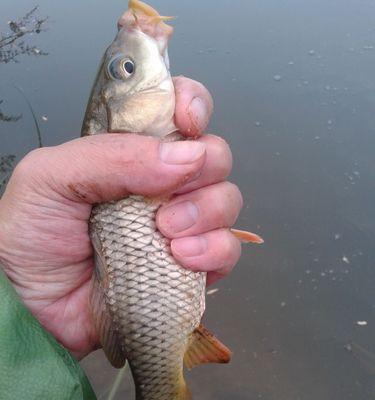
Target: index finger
194	106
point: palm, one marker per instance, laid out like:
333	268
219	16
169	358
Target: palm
56	264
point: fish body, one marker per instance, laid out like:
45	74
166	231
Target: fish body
156	305
146	308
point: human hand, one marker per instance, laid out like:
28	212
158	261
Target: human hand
44	243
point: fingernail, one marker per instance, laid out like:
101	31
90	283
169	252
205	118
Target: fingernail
179	217
189	247
179	153
198	114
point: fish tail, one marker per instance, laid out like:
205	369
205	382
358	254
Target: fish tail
178	391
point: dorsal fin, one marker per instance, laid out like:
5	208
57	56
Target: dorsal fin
205	348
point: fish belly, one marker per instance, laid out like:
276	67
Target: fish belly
155	303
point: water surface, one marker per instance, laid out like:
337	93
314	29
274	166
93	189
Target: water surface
293	82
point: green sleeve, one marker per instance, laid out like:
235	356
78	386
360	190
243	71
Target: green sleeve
32	364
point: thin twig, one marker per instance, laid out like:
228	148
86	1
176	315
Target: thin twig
12	43
117	382
6	167
38	132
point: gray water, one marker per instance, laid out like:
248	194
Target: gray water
294	87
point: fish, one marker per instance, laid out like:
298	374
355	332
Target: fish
146	308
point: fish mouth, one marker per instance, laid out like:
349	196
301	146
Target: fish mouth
143	8
145	18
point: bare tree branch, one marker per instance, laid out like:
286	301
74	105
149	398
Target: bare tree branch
12	43
8	118
6	167
12	46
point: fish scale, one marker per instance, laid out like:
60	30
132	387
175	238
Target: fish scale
156	302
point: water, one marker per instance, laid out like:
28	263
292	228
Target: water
304	159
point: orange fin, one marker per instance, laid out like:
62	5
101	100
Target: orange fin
145	9
136	5
205	348
247	237
162	18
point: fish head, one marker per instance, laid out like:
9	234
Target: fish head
135	74
133	64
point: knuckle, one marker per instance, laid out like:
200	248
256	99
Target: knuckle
236	194
198	86
223	153
206	93
222	273
217	205
31	164
221	214
227	209
221	144
191	264
228	247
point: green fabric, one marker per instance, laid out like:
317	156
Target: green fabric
32	364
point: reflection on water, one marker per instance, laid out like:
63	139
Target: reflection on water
6	166
294	90
13	45
8	118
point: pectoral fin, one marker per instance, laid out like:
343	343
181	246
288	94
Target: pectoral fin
205	348
109	336
247	237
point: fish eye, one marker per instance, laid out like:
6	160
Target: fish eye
129	67
120	68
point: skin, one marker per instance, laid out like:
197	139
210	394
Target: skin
44	244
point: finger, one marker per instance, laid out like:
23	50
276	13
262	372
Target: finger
217	167
108	167
203	210
194	106
216	251
215	276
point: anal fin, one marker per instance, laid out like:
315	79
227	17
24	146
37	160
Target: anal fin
205	348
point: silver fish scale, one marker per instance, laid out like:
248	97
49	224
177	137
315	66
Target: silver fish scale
156	303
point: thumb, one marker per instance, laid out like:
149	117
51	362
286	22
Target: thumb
108	167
